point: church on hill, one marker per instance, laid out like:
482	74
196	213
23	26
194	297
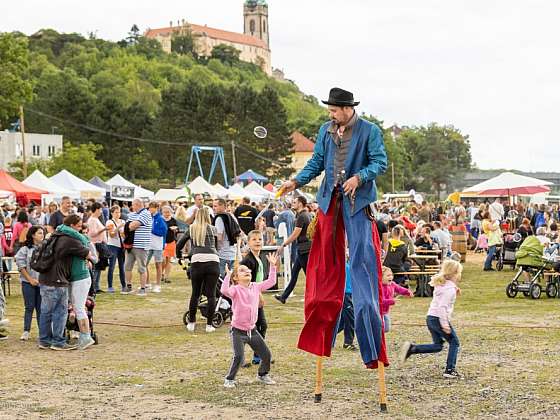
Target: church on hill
253	43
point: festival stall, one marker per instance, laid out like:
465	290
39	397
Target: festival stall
249	176
220	190
236	192
256	189
55	192
69	181
22	192
122	189
171	194
200	186
510	184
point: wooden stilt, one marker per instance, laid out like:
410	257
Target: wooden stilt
382	387
319	380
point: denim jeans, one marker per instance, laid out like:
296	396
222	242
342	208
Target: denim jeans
490	257
223	264
117	255
95	278
299	264
346	320
32	301
54	312
438	337
386	323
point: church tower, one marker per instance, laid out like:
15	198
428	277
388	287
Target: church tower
255	13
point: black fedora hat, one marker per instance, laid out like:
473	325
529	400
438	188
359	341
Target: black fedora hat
340	97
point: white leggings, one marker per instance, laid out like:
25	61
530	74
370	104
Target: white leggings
78	295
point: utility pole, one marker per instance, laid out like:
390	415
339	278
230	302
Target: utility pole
234	161
393	177
22	130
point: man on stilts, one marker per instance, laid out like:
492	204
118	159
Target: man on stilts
351	152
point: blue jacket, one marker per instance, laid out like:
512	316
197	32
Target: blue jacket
366	158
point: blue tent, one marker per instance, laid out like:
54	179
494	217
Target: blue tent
250	176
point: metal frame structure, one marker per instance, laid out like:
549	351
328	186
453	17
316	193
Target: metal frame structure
218	156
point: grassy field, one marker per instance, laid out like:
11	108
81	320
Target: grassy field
509	359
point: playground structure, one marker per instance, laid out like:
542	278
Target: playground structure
218	156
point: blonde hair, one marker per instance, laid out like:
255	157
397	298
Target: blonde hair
198	229
450	270
384	272
254	233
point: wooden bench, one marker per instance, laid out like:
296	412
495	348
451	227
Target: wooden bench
423	289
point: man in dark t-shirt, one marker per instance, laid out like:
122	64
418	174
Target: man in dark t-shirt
246	215
58	216
299	235
268	215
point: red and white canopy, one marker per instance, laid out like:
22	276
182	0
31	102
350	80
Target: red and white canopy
509	183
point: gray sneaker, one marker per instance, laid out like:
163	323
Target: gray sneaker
86	343
405	351
142	292
64	347
127	290
43	346
229	383
266	379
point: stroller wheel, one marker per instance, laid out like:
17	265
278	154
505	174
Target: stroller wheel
217	320
551	290
186	318
535	290
511	290
500	265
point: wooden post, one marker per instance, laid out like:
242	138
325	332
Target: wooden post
22	130
382	387
319	380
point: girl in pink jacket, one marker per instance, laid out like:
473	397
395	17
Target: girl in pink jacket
439	318
245	296
390	290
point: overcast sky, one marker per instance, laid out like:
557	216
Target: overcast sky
490	68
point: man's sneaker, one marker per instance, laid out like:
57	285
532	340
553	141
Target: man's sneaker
44	346
210	329
256	360
280	299
110	290
350	347
86	343
191	326
3	337
451	374
64	347
141	292
405	351
4	322
266	379
229	383
100	291
156	289
25	336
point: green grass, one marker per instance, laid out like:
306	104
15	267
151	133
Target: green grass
509	367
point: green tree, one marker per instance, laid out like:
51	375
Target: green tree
226	54
133	35
15	86
16	167
81	160
184	42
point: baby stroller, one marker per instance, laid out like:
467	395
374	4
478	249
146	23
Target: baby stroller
506	254
530	260
223	310
481	243
72	322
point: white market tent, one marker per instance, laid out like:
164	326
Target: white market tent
220	190
236	192
200	186
39	180
256	189
510	184
139	192
170	194
71	182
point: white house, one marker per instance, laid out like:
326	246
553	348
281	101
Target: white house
37	146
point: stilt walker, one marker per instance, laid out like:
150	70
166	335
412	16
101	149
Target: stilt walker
350	151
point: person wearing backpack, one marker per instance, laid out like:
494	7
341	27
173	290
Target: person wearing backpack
97	234
157	243
115	227
228	232
53	261
19	234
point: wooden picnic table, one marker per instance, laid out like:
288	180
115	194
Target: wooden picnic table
423	289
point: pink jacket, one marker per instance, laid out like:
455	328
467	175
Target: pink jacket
389	291
443	301
245	300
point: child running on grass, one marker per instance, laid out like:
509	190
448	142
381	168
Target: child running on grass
390	289
439	317
245	296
